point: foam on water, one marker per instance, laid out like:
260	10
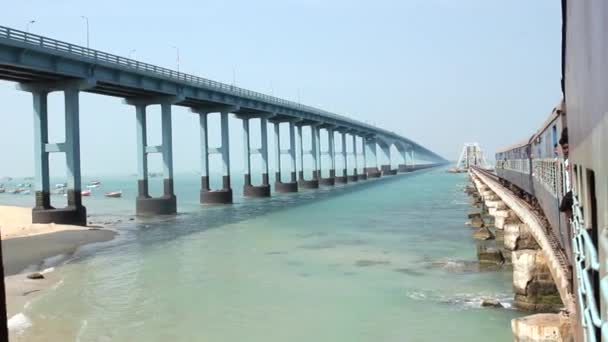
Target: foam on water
19	323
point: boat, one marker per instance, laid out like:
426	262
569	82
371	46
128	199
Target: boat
94	183
2	190
85	193
26	192
114	194
61	185
93	186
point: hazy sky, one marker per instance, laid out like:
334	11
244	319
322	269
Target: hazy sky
440	72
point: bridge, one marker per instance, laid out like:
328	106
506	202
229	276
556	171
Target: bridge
43	65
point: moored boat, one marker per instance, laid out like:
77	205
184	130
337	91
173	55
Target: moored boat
85	192
114	194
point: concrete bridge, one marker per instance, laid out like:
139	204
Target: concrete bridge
43	65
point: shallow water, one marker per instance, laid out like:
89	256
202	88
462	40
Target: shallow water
372	262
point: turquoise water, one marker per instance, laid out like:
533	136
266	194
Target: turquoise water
371	262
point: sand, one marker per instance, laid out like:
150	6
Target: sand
28	247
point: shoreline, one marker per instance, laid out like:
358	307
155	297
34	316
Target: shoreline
37	248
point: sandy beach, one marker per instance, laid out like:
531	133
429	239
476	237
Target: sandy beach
27	247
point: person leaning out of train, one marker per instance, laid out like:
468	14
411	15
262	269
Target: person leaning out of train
567	201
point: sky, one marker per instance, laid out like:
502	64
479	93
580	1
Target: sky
439	72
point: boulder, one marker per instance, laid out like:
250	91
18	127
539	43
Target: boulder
35	275
483	234
489	255
491	303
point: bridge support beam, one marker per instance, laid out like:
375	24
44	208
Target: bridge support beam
344	177
279	185
314	182
43	212
262	190
354	177
331	180
370	148
363	175
223	195
167	203
386	168
403	167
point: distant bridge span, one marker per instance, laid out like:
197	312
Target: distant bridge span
42	65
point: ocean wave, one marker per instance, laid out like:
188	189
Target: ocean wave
19	323
461	301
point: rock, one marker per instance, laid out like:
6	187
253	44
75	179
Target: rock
491	303
477	221
131	219
474	214
489	255
542	327
35	275
483	234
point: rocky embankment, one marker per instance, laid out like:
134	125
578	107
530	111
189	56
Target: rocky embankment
505	242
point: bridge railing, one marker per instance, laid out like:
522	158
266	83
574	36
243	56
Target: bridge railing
96	55
100	56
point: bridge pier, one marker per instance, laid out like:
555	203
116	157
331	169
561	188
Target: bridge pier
302	182
279	185
344	177
403	167
167	203
354	177
207	195
386	168
43	212
250	190
331	180
370	148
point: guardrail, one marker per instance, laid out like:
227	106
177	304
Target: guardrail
131	64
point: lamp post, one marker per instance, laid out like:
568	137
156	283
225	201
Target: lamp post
27	26
177	52
87	21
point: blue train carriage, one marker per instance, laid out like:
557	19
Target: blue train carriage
548	174
585	83
513	167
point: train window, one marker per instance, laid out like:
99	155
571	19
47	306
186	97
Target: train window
591	223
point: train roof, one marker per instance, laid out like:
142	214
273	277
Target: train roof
557	111
511	147
555	114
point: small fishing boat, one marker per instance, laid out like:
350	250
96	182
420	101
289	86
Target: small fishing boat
85	193
114	194
26	192
94	182
93	186
61	185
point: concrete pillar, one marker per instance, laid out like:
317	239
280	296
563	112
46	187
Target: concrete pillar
264	150
314	182
72	145
223	195
386	168
41	156
167	203
343	178
142	156
354	177
292	151
250	190
363	175
331	180
370	148
43	212
279	185
317	152
403	167
167	150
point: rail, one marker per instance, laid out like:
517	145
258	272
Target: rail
586	263
131	64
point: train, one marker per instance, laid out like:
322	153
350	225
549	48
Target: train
563	167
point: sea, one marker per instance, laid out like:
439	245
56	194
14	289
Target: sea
382	260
